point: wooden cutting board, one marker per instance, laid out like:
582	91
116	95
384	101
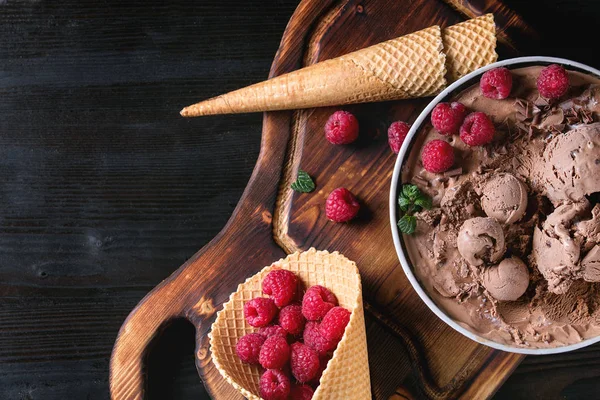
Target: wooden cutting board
411	352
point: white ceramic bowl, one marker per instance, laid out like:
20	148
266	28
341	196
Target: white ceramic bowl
463	83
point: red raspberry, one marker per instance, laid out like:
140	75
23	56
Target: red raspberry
496	83
553	81
274	353
291	319
304	362
341	128
341	205
477	129
274	385
248	347
272	330
437	156
260	311
334	323
396	134
317	301
301	392
447	117
312	338
281	285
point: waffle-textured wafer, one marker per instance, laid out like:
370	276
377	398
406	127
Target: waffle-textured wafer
405	67
469	45
347	373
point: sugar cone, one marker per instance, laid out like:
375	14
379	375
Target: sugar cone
347	373
406	67
469	45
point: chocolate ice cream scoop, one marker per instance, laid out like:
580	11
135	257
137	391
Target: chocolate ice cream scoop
508	280
504	198
571	164
481	240
560	250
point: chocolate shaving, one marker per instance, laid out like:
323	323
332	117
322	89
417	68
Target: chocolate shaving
513	133
570	112
554	117
536	119
557	129
520	117
524	109
541	102
574	111
520	104
421	180
453	172
586	116
572	116
521	126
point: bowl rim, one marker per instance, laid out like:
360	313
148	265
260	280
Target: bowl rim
404	150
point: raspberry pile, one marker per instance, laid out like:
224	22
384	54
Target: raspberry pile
295	340
474	129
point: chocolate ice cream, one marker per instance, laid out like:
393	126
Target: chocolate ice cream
571	164
530	278
559	246
504	197
481	240
508	280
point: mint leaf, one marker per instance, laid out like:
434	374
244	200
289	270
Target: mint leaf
404	203
410	191
407	224
304	183
423	201
410	201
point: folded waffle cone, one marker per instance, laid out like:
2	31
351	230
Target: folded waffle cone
347	373
406	67
469	45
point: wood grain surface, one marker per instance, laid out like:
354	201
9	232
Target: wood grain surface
106	191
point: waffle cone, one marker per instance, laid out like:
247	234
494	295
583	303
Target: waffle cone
469	45
347	373
405	67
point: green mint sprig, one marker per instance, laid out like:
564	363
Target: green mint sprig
304	183
411	200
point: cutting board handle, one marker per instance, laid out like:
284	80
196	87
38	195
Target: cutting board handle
142	326
242	248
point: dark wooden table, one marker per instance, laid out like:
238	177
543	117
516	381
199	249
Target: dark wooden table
105	190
